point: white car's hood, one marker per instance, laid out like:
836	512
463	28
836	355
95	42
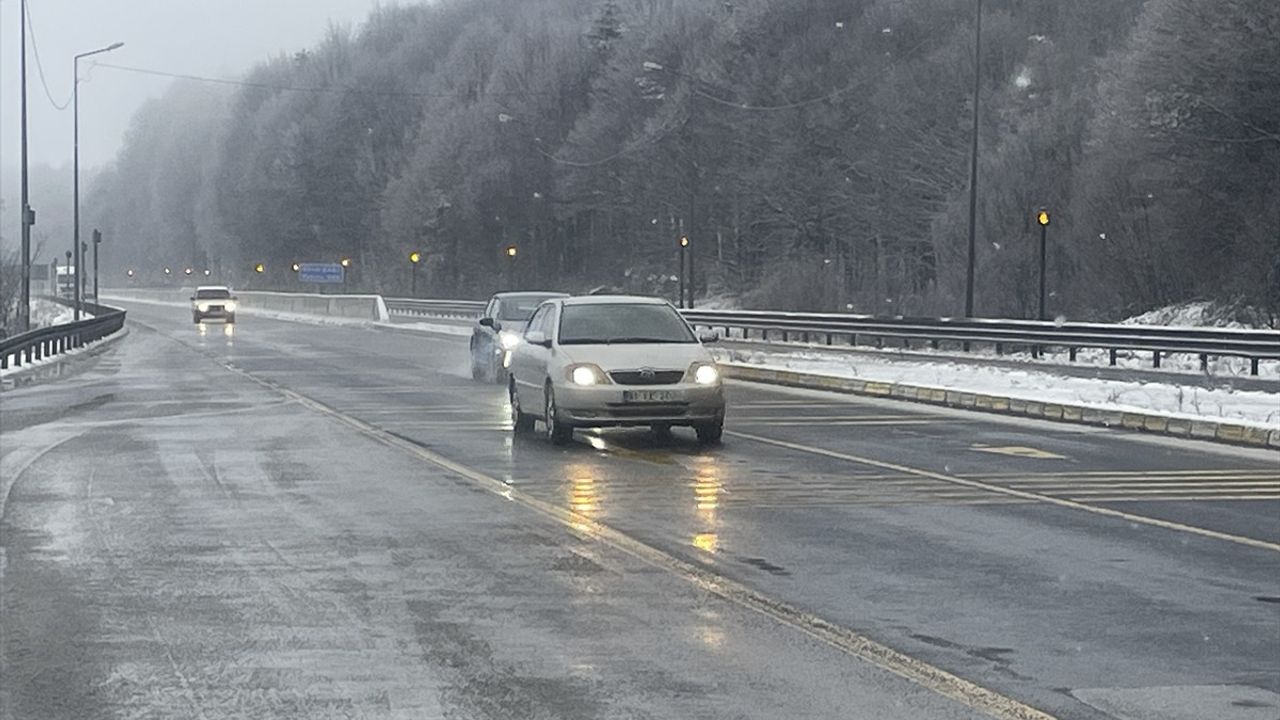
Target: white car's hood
625	356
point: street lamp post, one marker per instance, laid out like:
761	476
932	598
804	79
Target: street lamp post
346	265
1042	218
75	162
973	163
24	306
97	240
415	257
684	250
511	251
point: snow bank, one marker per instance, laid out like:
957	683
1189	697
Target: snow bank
1258	409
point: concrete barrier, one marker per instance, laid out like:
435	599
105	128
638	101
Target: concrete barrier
350	307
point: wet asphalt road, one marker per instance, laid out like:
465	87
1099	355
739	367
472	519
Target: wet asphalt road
181	540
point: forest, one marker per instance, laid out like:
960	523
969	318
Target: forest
814	152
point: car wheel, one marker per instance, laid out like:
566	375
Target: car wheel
662	430
520	422
231	319
477	372
558	432
710	433
196	319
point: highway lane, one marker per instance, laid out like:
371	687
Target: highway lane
883	517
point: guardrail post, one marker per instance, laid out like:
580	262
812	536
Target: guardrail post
1204	362
853	339
1071	354
1253	366
1113	357
828	338
999	348
4	361
39	350
1155	358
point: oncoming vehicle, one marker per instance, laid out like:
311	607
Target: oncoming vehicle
213	302
499	330
614	361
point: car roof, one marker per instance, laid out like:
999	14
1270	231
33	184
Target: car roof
212	287
614	300
530	293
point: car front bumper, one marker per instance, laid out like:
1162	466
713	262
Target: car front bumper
606	405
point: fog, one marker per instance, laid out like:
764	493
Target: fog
220	38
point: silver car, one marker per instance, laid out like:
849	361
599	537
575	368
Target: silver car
614	361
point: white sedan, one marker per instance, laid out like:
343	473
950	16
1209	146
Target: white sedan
614	361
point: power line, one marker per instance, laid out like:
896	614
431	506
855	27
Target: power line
296	88
35	51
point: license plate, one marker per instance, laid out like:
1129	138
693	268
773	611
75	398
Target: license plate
648	396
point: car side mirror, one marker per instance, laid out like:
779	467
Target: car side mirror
489	323
709	337
539	338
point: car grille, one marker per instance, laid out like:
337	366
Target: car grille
639	411
657	377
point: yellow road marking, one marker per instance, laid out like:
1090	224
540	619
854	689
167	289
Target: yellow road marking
841	638
1018	451
1024	494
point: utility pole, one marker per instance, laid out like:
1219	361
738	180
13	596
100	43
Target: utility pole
973	163
28	217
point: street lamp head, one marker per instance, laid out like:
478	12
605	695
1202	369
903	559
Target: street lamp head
1042	217
130	273
651	66
167	271
296	267
511	251
346	262
115	46
207	273
415	257
259	268
684	241
188	271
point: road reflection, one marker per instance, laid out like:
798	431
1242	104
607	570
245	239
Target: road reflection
228	331
706	497
584	495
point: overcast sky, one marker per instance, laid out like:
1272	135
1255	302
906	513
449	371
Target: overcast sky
220	38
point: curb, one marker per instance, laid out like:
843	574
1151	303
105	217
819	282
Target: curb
1214	431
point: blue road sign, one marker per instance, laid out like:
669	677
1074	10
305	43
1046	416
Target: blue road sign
321	272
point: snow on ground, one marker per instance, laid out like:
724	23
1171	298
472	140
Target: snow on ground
47	312
1261	409
1218	367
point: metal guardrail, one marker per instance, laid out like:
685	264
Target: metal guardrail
412	307
1002	335
56	339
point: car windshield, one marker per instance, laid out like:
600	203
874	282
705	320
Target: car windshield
213	294
518	309
607	324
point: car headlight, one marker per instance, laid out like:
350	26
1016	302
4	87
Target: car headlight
230	306
202	307
508	340
586	375
705	374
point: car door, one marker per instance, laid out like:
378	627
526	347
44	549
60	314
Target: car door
536	358
524	372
